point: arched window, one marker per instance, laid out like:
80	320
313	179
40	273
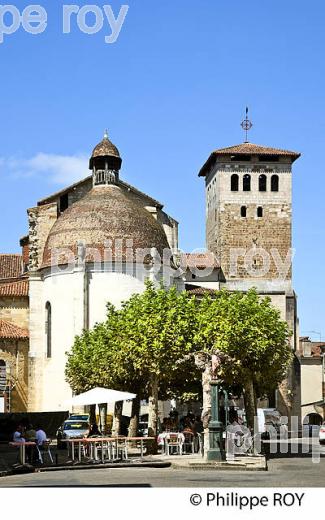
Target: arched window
234	182
243	211
48	329
247	183
262	182
260	212
275	183
3	375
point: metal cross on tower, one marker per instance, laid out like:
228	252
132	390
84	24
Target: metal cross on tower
246	125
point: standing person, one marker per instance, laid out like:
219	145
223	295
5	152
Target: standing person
30	436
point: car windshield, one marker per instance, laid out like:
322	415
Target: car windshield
76	426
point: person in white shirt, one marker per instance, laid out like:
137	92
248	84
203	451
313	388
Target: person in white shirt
40	436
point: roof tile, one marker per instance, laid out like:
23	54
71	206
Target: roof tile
14	288
10	331
10	266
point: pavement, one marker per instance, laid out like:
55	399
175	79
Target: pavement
291	472
297	468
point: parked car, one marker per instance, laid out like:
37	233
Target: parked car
71	429
322	434
79	417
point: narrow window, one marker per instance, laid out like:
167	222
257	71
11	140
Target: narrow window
243	211
234	182
262	183
274	183
48	329
247	182
64	202
3	375
260	212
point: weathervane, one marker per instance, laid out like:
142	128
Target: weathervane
246	125
106	134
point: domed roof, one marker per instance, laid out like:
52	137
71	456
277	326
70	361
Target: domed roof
106	219
105	148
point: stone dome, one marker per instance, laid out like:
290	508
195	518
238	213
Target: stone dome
106	217
105	148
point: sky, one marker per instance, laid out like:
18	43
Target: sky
172	88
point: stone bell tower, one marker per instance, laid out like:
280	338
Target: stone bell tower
248	212
249	228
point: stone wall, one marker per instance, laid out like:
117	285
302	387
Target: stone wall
15	355
15	310
41	220
227	232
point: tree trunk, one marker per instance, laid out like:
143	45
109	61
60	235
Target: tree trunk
206	411
103	417
134	421
153	416
249	398
117	419
92	414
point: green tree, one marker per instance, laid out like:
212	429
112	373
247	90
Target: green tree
249	330
144	348
96	359
157	339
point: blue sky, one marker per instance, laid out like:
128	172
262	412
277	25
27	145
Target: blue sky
171	89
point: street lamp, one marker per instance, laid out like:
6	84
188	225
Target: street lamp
215	451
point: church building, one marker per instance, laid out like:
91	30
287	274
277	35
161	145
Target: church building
100	239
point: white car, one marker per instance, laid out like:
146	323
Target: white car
322	434
71	429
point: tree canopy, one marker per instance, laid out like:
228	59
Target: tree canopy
148	345
249	330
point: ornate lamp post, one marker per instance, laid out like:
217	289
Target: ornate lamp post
215	451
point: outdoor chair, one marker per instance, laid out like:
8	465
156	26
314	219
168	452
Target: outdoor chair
44	449
188	442
173	444
106	449
122	449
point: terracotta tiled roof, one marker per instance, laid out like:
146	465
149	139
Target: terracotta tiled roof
10	331
14	288
10	266
250	148
195	290
246	149
105	147
200	260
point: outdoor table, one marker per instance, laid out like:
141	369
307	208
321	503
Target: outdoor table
92	441
22	449
141	439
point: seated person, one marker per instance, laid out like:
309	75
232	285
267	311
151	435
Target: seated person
40	436
30	434
94	431
18	434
